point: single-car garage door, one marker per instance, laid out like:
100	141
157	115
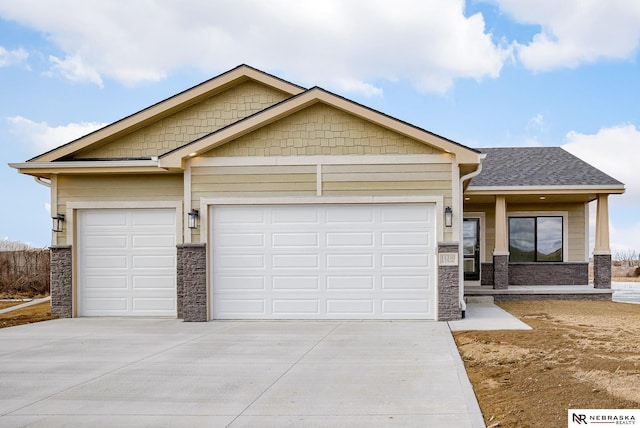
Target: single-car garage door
126	262
347	261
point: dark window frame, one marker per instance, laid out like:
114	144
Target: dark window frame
535	238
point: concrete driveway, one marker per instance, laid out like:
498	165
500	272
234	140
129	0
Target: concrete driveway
159	372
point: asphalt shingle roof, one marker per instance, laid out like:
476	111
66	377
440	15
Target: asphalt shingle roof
537	166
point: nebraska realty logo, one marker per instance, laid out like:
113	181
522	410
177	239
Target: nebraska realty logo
600	417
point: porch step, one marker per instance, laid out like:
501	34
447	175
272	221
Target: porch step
479	299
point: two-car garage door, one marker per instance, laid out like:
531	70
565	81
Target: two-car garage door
347	261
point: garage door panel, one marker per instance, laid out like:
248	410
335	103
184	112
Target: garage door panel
412	261
348	282
292	307
347	262
418	282
405	239
288	215
358	214
295	282
108	282
240	241
153	261
287	240
153	282
241	308
152	241
126	262
349	307
106	262
350	239
407	306
238	283
409	214
240	261
351	261
295	261
105	242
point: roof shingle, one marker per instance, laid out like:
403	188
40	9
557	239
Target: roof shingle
537	166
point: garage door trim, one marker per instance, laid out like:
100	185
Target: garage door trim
208	203
71	220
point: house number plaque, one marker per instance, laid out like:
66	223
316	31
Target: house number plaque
447	259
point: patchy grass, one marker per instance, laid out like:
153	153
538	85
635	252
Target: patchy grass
28	315
579	354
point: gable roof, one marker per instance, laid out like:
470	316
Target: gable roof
513	167
174	158
164	108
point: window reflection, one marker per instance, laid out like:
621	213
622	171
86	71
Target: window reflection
535	239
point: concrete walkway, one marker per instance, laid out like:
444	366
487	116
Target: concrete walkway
25	305
482	314
103	372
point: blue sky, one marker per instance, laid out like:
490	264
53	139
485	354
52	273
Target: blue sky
483	73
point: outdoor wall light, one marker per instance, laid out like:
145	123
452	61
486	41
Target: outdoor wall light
194	215
57	222
448	217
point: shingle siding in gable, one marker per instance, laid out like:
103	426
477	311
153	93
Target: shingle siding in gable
537	166
322	130
191	123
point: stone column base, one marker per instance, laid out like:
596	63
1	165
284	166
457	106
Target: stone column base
61	281
192	282
602	271
448	286
500	272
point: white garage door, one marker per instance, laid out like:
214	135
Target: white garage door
127	262
323	262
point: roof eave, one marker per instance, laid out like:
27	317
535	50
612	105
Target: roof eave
552	190
47	169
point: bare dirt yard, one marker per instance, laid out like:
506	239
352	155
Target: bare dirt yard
31	314
579	355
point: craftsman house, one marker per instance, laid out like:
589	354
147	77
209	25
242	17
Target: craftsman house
249	197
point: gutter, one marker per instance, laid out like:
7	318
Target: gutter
43	181
464	178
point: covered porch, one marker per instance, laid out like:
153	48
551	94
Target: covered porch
526	227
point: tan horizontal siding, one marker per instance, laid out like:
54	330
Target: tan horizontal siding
199	180
387	168
262	169
383	185
121	188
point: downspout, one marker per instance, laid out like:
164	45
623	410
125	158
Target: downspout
463	304
42	181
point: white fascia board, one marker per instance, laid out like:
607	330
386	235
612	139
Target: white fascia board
85	164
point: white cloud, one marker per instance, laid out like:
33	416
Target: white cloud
575	32
43	137
614	151
12	57
336	43
75	70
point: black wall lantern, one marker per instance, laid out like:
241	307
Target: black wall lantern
193	217
448	217
57	223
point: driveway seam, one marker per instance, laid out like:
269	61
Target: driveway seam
295	363
110	371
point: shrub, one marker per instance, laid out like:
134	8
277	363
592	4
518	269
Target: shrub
25	272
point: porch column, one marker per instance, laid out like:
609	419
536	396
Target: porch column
601	251
501	250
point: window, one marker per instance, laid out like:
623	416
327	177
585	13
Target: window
535	239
